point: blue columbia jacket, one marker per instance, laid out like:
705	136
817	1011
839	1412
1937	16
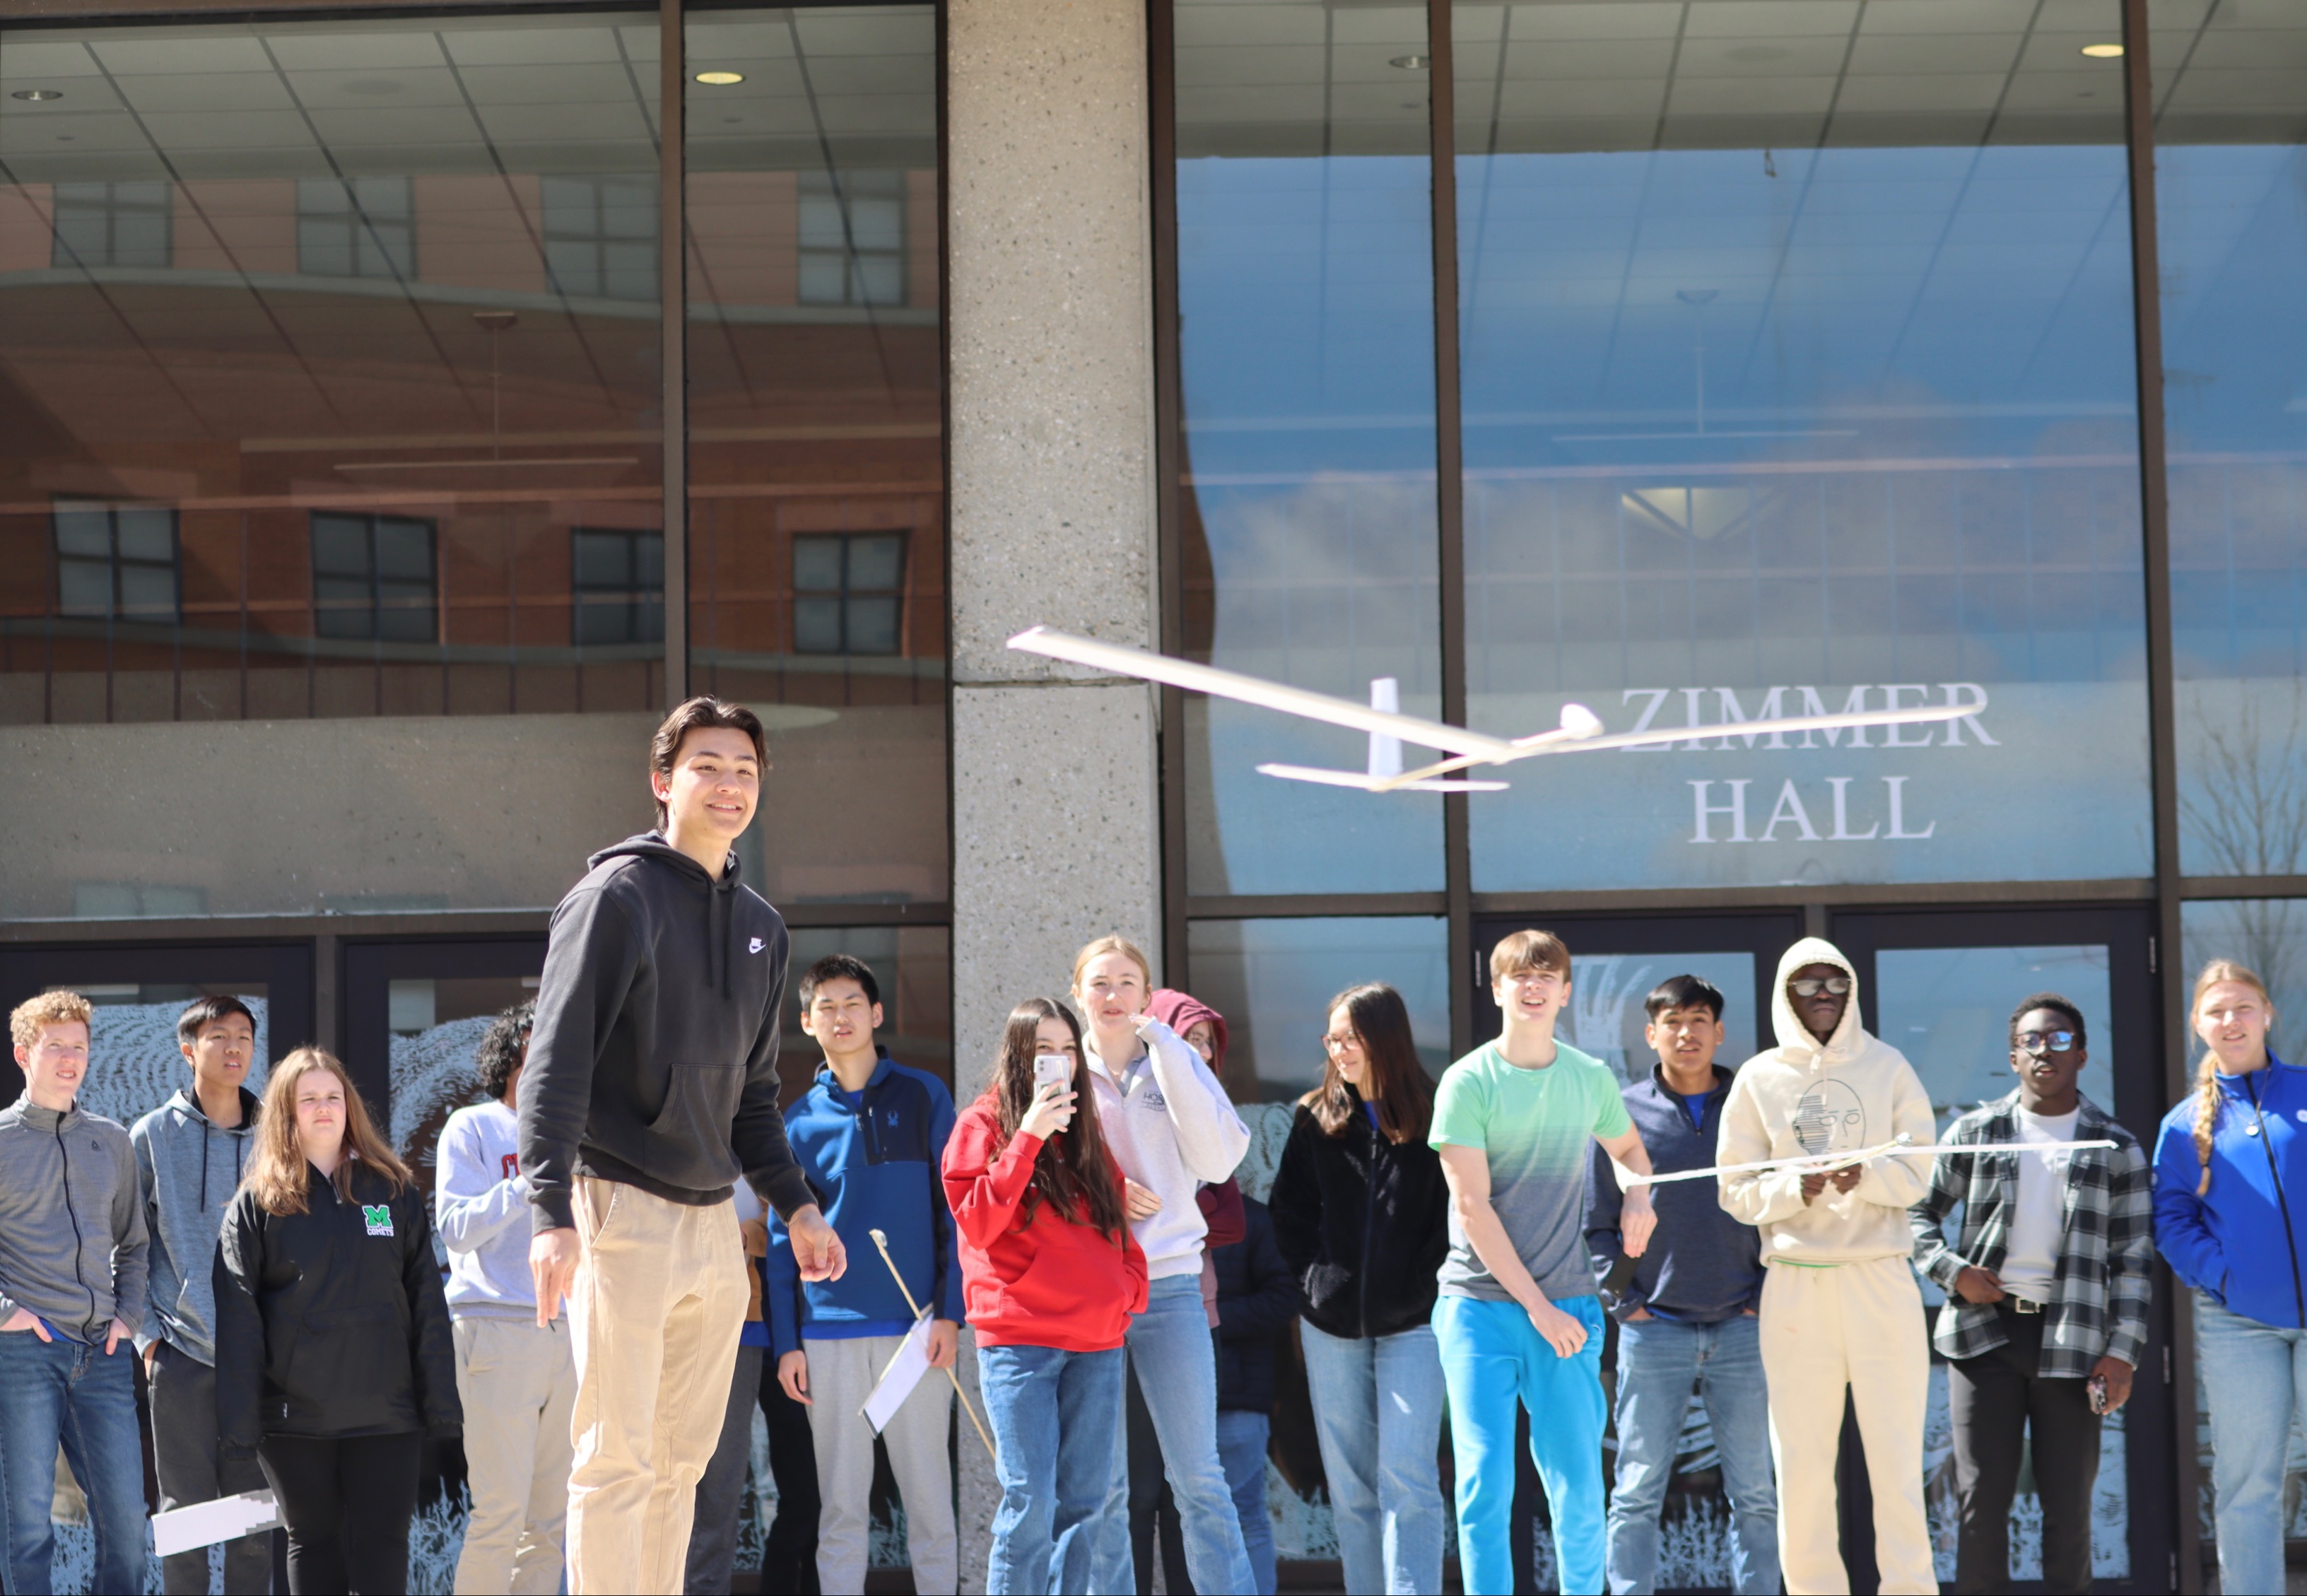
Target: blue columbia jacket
2240	1243
873	1165
1701	1266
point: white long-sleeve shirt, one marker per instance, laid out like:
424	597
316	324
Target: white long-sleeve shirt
1172	1128
480	1206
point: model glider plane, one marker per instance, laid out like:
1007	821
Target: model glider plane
1580	730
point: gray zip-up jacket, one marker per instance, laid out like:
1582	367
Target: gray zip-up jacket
72	1223
187	1168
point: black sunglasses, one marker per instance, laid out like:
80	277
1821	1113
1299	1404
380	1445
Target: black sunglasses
1838	985
2047	1041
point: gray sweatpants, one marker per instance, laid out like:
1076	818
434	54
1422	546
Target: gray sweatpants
189	1458
841	1374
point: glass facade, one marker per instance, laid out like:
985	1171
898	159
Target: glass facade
332	425
1307	463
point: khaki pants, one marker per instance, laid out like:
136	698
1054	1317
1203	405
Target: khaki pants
518	1386
1857	1327
658	1307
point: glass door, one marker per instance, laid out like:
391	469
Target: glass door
133	1062
1940	986
413	1014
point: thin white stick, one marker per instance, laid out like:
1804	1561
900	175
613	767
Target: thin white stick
881	1244
1824	1162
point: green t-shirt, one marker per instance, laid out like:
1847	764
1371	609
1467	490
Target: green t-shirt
1536	1126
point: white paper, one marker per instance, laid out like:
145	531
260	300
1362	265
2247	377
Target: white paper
899	1380
204	1523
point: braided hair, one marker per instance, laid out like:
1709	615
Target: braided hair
2206	1073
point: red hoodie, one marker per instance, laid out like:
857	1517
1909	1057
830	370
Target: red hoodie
1052	1282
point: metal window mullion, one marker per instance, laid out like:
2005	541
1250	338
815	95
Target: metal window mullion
1450	501
673	310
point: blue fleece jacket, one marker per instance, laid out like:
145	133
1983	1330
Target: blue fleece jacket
2242	1242
873	1164
1701	1266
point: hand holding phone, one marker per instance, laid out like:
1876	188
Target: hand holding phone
1052	1108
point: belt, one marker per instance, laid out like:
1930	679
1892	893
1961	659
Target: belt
2020	1305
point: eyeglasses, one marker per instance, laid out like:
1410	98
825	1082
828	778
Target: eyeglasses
1838	985
2047	1041
1340	1043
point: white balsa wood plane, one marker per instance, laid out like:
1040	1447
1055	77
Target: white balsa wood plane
1580	730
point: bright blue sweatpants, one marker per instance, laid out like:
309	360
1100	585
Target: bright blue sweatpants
1493	1360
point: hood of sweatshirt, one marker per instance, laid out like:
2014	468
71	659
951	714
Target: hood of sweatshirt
1182	1013
1796	1043
717	895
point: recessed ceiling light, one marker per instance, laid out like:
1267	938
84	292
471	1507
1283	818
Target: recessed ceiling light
1411	62
2103	52
720	79
38	94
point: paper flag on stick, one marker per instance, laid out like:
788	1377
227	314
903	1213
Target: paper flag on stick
204	1523
897	1381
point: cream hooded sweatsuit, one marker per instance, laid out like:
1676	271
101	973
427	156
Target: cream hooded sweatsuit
1840	1303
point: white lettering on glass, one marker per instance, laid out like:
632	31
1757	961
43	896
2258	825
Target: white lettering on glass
1790	811
1779	702
1736	809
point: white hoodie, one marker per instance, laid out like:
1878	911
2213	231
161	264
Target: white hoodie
1801	1097
1172	1128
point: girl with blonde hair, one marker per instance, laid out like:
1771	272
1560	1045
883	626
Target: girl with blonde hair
1172	1128
334	1357
2227	1161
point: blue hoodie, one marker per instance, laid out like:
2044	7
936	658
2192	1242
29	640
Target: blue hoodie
873	1164
2241	1243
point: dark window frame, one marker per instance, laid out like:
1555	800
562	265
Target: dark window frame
846	194
845	600
118	566
383	602
113	206
635	603
378	243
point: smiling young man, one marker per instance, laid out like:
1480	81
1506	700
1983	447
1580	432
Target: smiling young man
871	1135
1841	1311
1517	1319
72	1262
2048	1289
1685	1307
190	1153
651	1087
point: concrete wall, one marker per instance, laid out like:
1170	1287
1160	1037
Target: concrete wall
1055	818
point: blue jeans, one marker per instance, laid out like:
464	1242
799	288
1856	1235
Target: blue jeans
1176	1360
1377	1414
1054	1415
2255	1379
1493	1360
1658	1362
1242	1437
59	1390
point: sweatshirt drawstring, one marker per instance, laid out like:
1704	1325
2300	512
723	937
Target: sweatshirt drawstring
728	942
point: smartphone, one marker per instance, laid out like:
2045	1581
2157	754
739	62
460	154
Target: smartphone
2097	1387
1052	1067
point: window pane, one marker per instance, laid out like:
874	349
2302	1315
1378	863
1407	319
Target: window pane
241	314
2231	213
816	391
875	565
1305	286
83	530
1798	375
873	625
1274	979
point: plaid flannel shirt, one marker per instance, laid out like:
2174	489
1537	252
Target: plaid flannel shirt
2100	1291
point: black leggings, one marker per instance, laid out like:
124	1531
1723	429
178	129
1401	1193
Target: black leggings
347	1504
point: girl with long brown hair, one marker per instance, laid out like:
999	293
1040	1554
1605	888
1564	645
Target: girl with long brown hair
2231	1220
1361	1213
333	1349
1051	1276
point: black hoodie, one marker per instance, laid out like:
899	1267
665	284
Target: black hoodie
654	1058
1363	1223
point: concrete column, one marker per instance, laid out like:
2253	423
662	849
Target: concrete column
1056	834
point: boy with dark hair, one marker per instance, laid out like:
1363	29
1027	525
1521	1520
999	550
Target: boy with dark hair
651	1087
1841	1316
871	1136
1517	1321
516	1378
190	1153
2047	1290
1685	1307
72	1262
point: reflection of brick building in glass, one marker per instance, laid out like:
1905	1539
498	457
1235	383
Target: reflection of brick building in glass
263	405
